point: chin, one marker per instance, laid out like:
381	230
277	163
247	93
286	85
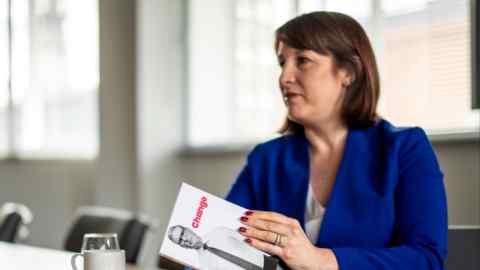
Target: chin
296	116
302	116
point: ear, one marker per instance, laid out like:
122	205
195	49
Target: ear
350	70
346	77
356	69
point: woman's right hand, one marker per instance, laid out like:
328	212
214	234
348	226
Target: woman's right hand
284	237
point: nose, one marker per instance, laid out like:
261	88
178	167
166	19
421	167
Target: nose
287	76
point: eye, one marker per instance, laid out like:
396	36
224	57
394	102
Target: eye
301	60
281	63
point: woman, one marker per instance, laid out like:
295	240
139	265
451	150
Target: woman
342	188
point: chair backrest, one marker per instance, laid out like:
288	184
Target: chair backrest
13	220
9	227
463	248
132	239
130	230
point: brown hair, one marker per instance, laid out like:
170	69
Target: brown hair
338	35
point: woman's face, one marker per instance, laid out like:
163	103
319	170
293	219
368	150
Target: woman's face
311	86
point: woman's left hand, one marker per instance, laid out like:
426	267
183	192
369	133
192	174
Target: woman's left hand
284	237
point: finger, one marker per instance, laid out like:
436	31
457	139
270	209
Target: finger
283	241
265	246
270	216
267	236
265	225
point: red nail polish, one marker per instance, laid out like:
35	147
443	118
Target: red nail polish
244	219
249	213
242	229
248	240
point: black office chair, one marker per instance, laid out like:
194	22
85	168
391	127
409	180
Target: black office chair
463	248
130	229
132	239
13	220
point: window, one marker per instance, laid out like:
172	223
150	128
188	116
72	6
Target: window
50	110
3	78
423	51
256	108
233	93
426	65
422	48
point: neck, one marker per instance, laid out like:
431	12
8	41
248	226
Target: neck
327	136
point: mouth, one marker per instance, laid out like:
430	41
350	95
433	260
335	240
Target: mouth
290	96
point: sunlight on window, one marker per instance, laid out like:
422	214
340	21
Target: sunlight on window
20	50
307	6
79	26
3	77
234	96
426	73
4	56
395	7
422	48
55	78
258	110
359	9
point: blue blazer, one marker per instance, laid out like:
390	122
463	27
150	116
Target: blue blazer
388	206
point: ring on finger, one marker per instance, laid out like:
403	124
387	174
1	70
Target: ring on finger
278	240
281	240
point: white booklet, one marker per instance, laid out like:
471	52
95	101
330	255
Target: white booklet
203	234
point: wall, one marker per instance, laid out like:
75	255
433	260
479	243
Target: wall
460	162
117	172
160	86
52	190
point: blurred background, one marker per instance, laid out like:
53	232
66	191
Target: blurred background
116	102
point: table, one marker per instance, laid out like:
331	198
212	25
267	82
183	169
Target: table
23	257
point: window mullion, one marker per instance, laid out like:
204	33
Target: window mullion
10	110
376	25
234	89
378	43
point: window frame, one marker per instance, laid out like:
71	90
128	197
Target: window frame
475	45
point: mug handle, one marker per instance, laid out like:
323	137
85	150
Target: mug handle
74	259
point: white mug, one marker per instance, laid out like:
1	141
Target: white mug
100	260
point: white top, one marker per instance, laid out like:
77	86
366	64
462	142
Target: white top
314	212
